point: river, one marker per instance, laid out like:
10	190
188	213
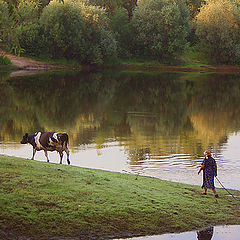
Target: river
153	124
210	233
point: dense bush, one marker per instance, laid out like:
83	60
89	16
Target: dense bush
63	29
161	27
112	6
75	30
100	41
30	38
194	7
4	20
121	27
26	11
7	35
218	29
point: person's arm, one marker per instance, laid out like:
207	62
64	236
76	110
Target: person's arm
215	165
202	167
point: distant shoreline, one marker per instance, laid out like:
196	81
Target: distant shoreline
28	64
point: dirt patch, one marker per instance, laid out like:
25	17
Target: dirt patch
24	63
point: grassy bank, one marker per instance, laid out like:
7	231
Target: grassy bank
44	200
190	61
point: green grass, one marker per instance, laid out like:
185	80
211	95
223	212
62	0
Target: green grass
140	62
4	60
44	200
193	58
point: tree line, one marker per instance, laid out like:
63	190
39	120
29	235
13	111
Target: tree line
94	31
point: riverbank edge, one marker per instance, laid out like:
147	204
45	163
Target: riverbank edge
41	200
39	65
223	69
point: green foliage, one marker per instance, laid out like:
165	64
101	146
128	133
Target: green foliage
4	60
78	31
161	27
112	5
30	38
63	28
100	41
218	29
4	21
27	28
26	11
194	7
7	35
122	29
158	29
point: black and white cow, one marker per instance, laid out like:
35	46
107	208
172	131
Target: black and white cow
48	141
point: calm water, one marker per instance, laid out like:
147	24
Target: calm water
149	124
214	233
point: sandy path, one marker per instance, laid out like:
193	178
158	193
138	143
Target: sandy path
26	63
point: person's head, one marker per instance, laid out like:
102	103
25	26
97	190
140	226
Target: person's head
207	154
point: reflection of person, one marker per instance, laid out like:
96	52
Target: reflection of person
209	168
205	234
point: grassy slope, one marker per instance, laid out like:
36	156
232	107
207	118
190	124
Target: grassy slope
42	200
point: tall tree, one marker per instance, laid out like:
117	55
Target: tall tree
217	27
161	27
194	7
112	5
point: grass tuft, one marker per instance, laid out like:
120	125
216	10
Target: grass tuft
4	60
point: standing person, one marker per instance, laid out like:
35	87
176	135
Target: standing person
209	168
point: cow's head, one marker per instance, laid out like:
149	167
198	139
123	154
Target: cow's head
25	139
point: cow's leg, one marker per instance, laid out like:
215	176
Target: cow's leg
68	153
34	151
61	156
45	151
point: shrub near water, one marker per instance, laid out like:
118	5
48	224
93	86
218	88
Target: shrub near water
161	27
122	29
100	41
218	28
29	37
63	29
6	35
75	30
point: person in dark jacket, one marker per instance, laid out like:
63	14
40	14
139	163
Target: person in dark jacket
209	168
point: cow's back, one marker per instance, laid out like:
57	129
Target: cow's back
44	139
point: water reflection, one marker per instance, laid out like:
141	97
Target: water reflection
154	124
205	234
210	233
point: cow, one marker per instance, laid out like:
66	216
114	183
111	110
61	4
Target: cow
48	141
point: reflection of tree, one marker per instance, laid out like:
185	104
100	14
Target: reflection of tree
156	114
210	113
214	110
136	155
